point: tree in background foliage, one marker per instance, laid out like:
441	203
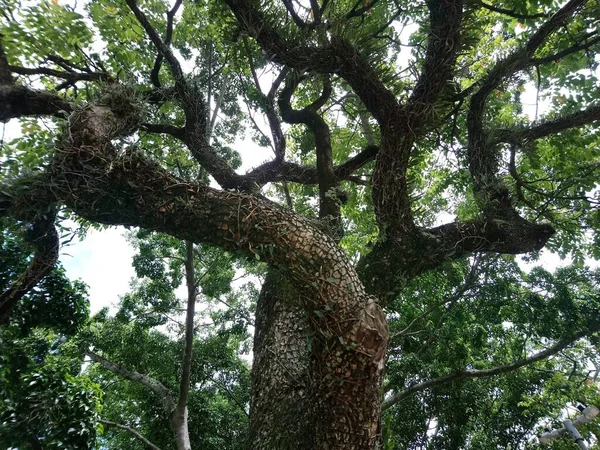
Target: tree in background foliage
45	403
400	186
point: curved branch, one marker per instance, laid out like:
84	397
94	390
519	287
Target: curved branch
568	51
473	373
165	395
45	240
482	156
512	235
522	135
339	57
137	435
159	58
329	205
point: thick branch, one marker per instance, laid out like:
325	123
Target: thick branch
130	430
473	373
18	101
482	156
445	18
5	76
45	240
392	262
400	130
165	395
522	135
491	192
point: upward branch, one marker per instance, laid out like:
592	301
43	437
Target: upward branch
133	432
482	154
186	365
163	393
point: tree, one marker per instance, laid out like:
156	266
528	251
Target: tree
46	403
138	354
378	151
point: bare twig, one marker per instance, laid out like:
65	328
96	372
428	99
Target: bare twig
133	432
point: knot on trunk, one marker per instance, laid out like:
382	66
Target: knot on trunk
372	333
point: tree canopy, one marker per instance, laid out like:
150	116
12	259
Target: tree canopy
416	148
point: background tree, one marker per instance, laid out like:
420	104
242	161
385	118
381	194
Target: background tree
392	181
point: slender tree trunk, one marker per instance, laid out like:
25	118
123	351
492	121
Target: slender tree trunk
179	424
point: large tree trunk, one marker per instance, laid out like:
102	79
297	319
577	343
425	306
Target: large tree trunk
279	412
298	402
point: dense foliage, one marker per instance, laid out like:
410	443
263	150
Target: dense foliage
413	150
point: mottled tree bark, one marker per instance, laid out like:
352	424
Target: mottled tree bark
279	416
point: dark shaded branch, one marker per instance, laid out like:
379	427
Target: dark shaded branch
163	393
5	76
329	205
71	77
289	6
445	18
551	25
169	36
402	127
44	238
161	46
464	374
130	430
522	135
279	142
18	101
512	13
361	8
568	51
186	364
338	57
482	153
512	235
296	173
196	126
